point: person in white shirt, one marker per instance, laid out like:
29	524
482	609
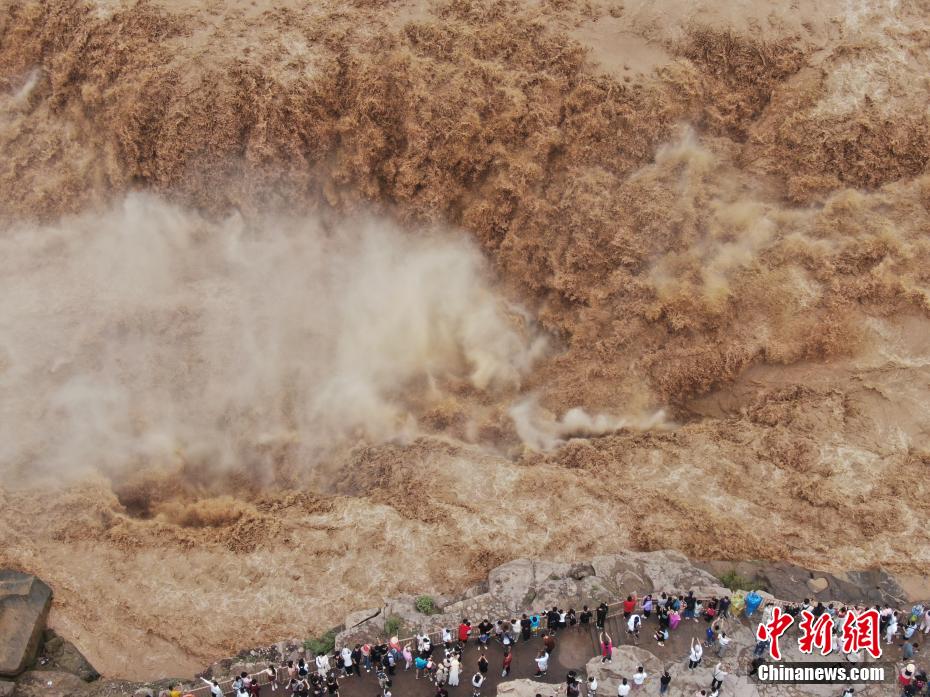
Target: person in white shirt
592	686
322	664
719	675
347	661
639	677
542	663
633	625
723	641
623	689
215	688
477	680
694	656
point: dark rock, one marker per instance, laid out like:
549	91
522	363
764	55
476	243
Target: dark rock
24	606
580	571
58	654
791	582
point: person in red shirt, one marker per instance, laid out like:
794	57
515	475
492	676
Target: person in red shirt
508	659
629	605
464	630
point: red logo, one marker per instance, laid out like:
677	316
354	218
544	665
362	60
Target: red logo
861	632
773	630
816	633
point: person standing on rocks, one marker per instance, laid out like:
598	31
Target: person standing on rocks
526	627
723	641
694	656
629	605
592	686
639	678
623	689
664	682
719	675
601	617
607	647
633	625
725	606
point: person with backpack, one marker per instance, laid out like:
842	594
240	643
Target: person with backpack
723	641
719	675
710	636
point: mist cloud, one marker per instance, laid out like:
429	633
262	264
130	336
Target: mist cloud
147	334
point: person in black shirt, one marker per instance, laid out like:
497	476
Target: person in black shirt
585	616
484	630
483	664
601	615
552	619
664	682
526	627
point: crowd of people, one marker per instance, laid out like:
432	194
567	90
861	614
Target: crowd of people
442	664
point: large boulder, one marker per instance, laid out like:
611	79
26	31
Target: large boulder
527	688
24	606
49	683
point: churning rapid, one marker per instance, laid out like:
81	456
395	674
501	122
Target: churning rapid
305	305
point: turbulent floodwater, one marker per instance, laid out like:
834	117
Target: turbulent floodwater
305	305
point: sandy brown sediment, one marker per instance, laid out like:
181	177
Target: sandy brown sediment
717	211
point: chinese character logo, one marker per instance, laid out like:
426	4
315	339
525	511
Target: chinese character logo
772	630
862	632
815	633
